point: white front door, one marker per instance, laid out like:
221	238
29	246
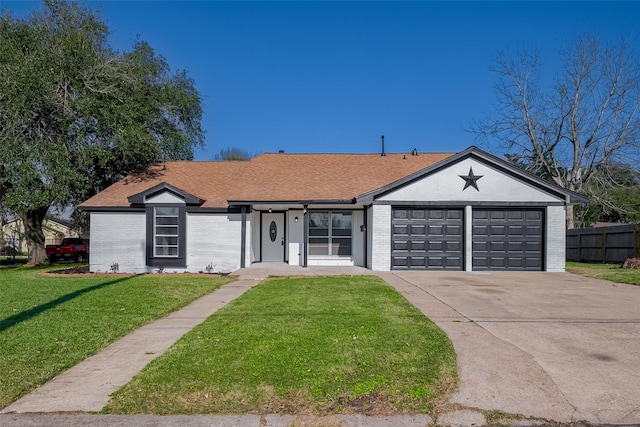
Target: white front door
273	237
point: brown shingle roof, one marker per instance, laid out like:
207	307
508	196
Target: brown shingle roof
272	177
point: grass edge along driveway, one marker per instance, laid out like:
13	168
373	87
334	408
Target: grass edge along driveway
610	272
49	323
340	344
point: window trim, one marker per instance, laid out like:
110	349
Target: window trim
330	235
166	261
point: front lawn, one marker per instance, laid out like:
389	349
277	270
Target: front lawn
301	345
50	323
611	272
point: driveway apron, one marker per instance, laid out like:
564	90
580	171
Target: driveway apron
550	345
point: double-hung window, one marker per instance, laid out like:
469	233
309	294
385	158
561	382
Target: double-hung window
330	233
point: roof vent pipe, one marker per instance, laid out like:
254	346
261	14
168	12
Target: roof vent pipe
382	154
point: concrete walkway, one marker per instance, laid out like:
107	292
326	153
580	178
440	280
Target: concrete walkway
86	387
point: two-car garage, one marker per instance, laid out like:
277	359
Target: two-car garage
470	212
425	238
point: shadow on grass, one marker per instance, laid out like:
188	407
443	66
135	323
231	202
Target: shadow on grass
32	312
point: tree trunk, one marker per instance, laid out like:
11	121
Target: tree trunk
571	220
32	222
3	242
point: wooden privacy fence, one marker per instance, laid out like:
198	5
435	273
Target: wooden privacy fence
604	244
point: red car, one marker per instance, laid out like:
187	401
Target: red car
76	249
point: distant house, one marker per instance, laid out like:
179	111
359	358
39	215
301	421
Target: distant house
54	229
468	211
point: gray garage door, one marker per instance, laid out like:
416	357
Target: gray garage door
425	238
507	239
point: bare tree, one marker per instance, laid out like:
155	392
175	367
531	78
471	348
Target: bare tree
232	153
584	121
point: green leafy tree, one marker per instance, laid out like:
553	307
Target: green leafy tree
76	115
615	193
584	119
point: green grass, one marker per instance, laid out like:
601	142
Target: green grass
10	260
611	272
301	345
50	323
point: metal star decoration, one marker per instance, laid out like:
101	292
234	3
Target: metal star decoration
471	180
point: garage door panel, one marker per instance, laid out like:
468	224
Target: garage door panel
436	214
480	262
400	245
400	261
435	246
534	247
498	247
417	261
416	214
480	246
454	214
533	262
516	263
516	246
453	247
480	215
507	239
533	230
497	230
401	230
534	215
433	238
516	230
453	262
399	213
436	230
480	230
418	230
494	215
453	230
418	245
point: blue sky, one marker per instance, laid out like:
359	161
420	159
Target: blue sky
327	76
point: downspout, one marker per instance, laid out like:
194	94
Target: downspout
243	234
305	234
366	232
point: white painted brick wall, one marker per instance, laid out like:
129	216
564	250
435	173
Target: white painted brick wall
468	238
214	239
556	238
118	237
381	238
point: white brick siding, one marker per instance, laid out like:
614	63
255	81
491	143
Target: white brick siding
381	238
556	237
215	239
118	237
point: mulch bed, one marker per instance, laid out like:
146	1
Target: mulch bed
84	271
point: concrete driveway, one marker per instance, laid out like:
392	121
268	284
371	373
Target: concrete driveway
551	345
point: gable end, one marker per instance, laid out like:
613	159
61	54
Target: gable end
489	160
144	196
